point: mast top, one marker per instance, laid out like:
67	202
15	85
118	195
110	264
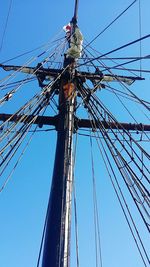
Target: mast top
75	17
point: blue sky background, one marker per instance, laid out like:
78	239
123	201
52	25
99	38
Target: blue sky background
23	202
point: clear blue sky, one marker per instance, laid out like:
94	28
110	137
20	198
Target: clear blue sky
23	202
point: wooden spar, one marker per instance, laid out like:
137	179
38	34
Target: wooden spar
53	73
78	123
76	10
56	251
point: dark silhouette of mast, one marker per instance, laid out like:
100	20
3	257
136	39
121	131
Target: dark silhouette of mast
56	248
57	235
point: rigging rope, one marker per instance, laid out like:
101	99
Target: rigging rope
124	11
75	204
126	95
129	97
116	49
134	59
32	59
130	70
32	50
124	86
21	139
6	24
119	191
98	246
110	116
105	134
125	63
19	136
127	109
10	85
140	35
119	159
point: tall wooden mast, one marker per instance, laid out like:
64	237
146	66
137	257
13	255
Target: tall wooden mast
56	251
56	248
57	235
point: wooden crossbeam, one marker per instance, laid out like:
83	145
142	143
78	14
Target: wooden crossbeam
79	123
50	73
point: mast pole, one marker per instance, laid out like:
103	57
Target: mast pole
76	10
56	251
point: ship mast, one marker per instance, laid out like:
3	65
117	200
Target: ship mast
56	251
57	230
57	235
